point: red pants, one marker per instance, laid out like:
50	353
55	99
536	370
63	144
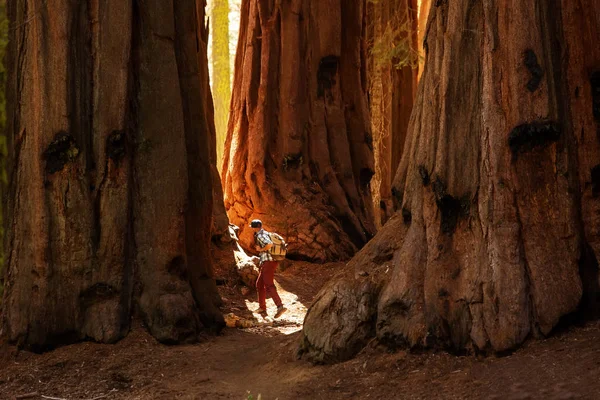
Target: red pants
265	284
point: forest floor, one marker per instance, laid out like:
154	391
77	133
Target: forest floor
243	363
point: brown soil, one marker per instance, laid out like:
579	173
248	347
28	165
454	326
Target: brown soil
263	360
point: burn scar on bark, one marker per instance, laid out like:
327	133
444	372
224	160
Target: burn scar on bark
595	172
62	150
397	198
96	294
369	140
451	208
528	136
365	177
292	161
382	205
531	62
424	175
116	146
406	216
595	83
178	268
326	74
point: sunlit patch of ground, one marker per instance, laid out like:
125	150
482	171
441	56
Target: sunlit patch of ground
296	285
288	323
266	324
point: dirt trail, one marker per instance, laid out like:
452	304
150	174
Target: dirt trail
263	360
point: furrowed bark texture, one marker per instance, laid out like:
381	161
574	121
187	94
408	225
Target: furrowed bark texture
500	178
299	147
111	199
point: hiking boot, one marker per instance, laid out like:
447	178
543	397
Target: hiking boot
260	311
280	310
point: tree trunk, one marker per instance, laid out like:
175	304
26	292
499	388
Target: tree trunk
424	7
110	189
500	185
3	149
219	22
393	64
299	147
220	221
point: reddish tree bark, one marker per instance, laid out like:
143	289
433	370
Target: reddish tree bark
500	181
298	153
111	199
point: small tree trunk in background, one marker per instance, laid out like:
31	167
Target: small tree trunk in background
500	182
424	6
220	221
299	147
219	24
110	199
393	64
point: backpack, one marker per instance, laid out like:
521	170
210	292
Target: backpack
279	248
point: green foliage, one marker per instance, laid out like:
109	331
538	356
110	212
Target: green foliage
249	396
393	45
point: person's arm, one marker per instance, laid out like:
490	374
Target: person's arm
267	247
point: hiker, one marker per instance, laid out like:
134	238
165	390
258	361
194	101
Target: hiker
267	265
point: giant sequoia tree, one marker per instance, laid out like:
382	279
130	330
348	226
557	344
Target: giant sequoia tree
110	197
498	187
299	153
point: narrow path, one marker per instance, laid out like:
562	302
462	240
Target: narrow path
296	285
